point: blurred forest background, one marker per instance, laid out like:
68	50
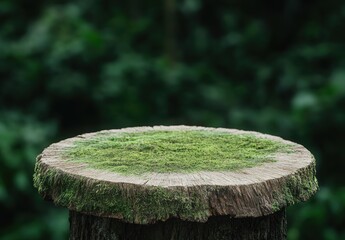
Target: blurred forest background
66	68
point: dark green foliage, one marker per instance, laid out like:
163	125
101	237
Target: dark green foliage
68	68
23	213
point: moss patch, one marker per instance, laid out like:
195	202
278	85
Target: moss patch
296	188
148	204
173	151
136	205
169	151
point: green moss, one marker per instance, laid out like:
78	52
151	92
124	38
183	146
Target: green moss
137	205
162	151
173	151
148	204
297	188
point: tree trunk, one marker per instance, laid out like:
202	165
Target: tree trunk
225	204
87	227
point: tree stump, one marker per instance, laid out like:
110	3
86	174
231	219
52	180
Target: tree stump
176	182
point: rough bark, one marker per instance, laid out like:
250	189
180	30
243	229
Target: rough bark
270	227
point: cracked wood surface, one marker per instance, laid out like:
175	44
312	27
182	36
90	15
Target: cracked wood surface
249	192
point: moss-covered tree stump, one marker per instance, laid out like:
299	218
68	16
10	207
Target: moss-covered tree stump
176	182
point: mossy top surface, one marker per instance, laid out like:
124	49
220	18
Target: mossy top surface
173	151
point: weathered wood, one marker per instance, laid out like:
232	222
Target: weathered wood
248	203
142	199
271	227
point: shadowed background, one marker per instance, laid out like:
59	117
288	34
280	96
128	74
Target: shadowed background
276	67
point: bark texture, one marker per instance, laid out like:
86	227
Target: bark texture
87	227
196	197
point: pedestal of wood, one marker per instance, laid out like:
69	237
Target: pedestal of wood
271	227
244	203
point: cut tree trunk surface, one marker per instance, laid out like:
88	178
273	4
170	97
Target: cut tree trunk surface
158	179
